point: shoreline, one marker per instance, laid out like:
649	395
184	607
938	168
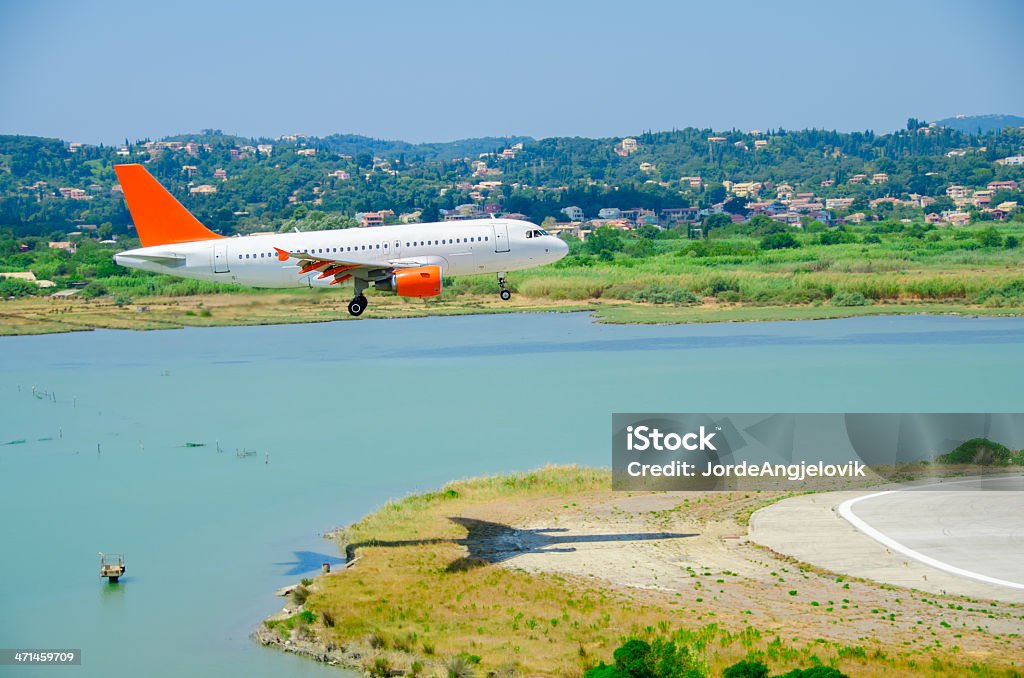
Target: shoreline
325	653
52	316
568	568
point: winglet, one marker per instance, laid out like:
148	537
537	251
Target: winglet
282	255
159	218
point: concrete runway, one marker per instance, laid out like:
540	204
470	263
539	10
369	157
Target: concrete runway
957	540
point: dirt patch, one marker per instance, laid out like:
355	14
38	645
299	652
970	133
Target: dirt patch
689	549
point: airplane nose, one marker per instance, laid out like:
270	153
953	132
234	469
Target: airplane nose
561	248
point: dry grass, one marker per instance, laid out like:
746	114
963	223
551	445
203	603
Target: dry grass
420	594
44	315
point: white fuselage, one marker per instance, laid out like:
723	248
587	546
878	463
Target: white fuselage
458	247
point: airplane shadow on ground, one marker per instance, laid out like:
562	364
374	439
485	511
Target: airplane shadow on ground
489	542
309	561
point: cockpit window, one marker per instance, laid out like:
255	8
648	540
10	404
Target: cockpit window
536	233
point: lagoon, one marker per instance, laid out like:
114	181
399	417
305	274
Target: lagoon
318	424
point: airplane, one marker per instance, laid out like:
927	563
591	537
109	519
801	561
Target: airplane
410	260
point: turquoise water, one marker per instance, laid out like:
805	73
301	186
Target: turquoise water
352	414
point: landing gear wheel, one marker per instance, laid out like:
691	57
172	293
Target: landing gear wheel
505	294
357	306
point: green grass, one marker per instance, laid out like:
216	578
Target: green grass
639	314
675	281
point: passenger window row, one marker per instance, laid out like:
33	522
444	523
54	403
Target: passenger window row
449	241
358	248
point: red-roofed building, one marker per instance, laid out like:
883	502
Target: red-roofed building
1009	185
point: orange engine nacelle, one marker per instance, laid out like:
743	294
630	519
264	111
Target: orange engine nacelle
424	281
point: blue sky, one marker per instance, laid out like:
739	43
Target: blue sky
432	71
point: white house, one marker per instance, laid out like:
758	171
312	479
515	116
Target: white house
573	213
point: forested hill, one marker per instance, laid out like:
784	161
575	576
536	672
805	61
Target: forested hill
239	184
351	144
980	124
355	144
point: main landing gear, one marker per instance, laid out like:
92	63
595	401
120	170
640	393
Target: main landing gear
505	294
358	304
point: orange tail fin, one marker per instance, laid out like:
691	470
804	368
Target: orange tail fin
159	218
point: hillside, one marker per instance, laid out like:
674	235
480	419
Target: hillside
981	124
242	185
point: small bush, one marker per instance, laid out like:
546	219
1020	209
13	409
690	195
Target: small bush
405	643
850	299
778	241
719	284
378	640
1009	294
981	451
836	237
803	295
631	658
815	672
659	293
638	659
465	564
712	248
300	595
746	669
853	652
989	237
459	667
381	668
622	290
93	290
730	297
510	670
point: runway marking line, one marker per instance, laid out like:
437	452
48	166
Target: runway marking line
846	511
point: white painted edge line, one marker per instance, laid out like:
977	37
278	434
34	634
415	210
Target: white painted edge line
846	511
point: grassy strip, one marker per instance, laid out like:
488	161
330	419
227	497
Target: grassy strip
728	278
664	314
43	316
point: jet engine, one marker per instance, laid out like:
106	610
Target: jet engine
423	281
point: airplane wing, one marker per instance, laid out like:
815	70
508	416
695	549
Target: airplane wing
341	269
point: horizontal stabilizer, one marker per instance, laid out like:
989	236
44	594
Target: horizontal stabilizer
164	259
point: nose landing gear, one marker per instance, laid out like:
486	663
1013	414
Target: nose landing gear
504	294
